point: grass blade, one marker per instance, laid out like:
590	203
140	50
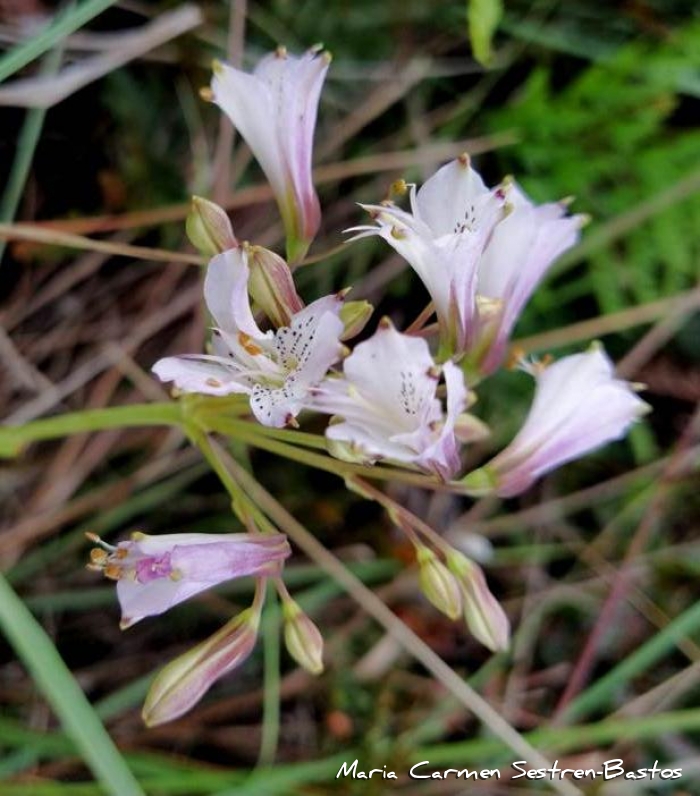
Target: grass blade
67	699
61	26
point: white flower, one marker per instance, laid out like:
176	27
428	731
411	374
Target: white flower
519	253
442	238
276	369
480	252
579	405
386	404
274	109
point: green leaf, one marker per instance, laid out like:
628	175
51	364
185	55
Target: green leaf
483	17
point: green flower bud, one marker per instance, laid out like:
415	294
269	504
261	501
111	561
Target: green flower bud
302	638
483	613
354	316
208	227
438	584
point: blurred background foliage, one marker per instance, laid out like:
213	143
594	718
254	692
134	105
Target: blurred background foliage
597	565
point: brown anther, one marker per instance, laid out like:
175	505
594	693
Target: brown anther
113	571
121	553
211	382
206	94
98	557
464	160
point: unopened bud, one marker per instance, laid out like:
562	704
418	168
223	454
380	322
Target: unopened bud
483	614
354	315
271	285
479	482
438	584
302	638
209	228
183	682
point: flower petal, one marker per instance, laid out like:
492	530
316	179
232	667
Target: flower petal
226	294
209	375
578	406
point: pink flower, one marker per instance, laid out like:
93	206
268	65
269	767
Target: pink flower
480	253
154	573
386	404
522	248
276	369
274	109
442	238
579	405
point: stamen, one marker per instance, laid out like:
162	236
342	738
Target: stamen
248	345
113	571
95	539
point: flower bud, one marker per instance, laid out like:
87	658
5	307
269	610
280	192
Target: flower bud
183	682
479	482
354	316
485	618
271	285
438	584
208	228
302	638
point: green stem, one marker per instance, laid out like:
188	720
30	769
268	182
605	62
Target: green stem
14	438
402	517
251	435
271	676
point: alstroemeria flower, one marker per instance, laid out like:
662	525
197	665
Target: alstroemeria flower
442	238
276	369
154	573
519	253
579	405
274	109
386	404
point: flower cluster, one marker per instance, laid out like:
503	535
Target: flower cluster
396	397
